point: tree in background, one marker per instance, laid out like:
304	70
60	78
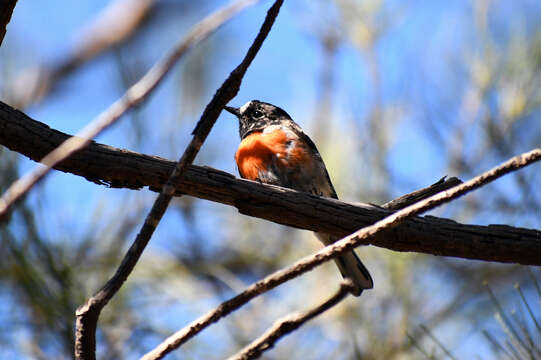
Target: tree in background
410	92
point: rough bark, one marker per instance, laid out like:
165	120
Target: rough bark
106	165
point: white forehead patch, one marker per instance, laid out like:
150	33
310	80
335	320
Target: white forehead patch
271	128
244	107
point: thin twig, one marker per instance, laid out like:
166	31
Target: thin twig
6	9
496	346
442	184
528	308
286	325
133	97
418	346
87	315
360	237
438	342
506	323
535	282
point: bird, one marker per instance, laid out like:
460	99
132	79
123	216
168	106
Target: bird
275	150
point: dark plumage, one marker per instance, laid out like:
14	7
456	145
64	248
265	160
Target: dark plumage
275	150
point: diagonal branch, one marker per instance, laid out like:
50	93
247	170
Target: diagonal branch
421	194
122	168
361	236
286	325
116	23
133	97
87	314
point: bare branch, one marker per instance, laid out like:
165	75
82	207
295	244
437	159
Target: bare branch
88	313
421	194
122	168
133	97
285	326
116	23
6	9
111	26
361	236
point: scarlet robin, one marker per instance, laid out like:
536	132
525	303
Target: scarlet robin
275	150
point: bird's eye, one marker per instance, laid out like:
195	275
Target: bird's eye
257	114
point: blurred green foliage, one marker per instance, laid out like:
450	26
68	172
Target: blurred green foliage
409	91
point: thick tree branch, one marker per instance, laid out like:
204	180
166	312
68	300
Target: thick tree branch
122	168
6	9
133	97
287	325
88	313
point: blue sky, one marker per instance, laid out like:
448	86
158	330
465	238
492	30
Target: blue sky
417	57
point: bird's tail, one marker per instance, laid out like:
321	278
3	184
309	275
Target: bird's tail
351	267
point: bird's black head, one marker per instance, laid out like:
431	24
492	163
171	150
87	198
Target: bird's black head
255	115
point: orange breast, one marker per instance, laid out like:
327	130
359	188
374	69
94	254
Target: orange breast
256	151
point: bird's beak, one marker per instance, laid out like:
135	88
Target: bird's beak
232	110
